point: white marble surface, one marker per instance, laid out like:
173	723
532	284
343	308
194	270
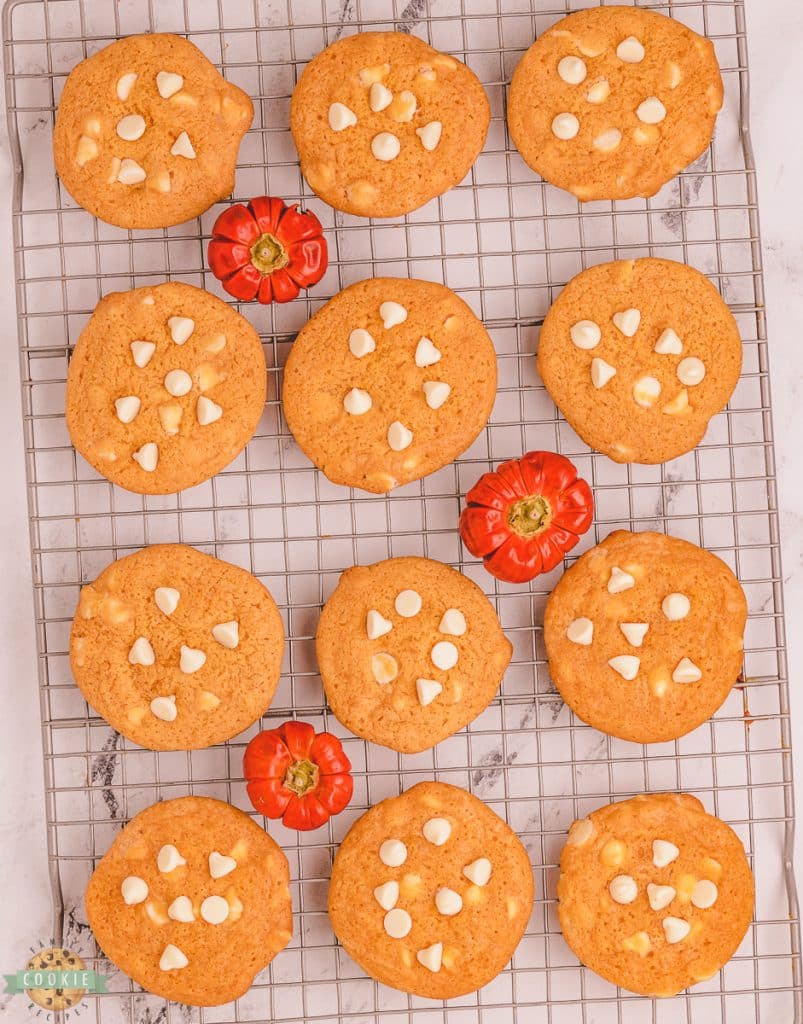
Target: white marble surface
775	32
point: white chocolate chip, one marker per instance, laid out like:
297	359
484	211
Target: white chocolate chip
164	708
180	327
361	343
227	634
599	92
214	909
704	894
220	866
87	150
431	957
393	853
183	147
134	890
403	107
619	580
436	831
627	665
686	672
168	84
426	354
127	408
430	135
408	603
387	895
178	383
392	313
131	127
125	83
581	631
585	334
572	70
427	690
623	889
181	910
444	655
191	659
130	172
398	923
399	436
601	372
166	599
634	632
663	852
660	896
142	352
565	126
448	902
141	652
341	117
690	371
114	170
651	111
216	344
384	668
379	97
385	146
168	859
608	141
675	606
678	405
669	344
627	321
373	74
436	392
207	411
453	622
580	832
478	871
674	76
357	402
160	181
377	625
630	51
172	959
675	929
646	391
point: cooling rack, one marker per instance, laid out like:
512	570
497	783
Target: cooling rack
506	242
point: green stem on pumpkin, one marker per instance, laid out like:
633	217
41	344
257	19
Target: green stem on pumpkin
268	254
530	515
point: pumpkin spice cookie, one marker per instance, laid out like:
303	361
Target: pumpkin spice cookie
409	652
147	132
177	650
638	355
383	123
612	102
389	381
165	387
192	900
644	636
654	894
431	892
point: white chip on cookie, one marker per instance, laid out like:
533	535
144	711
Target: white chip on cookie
341	117
393	314
430	135
565	126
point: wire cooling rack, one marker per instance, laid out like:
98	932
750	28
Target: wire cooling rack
507	243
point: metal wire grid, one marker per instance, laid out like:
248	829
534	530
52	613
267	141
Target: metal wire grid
507	243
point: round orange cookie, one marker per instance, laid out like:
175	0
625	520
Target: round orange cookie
638	355
409	652
610	103
147	132
431	892
644	636
192	900
654	894
176	649
389	381
165	387
383	123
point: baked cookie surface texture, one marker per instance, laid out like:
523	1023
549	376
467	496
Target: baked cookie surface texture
165	387
192	900
612	102
644	636
391	380
177	650
431	892
409	652
638	355
383	123
654	894
147	132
